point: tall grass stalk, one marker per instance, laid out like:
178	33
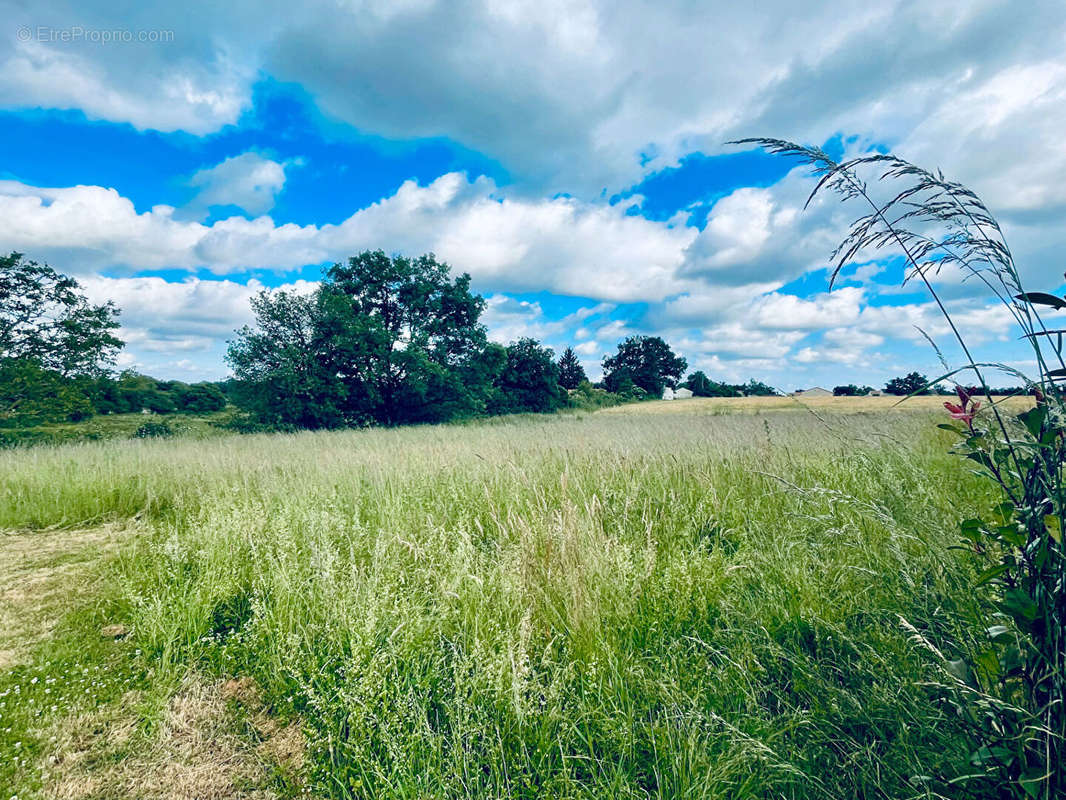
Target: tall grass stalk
1014	690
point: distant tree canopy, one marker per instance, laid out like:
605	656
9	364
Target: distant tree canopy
645	362
133	392
571	373
529	380
702	386
912	383
851	390
383	339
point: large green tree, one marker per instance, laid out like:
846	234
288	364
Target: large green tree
45	318
571	373
645	361
286	365
383	339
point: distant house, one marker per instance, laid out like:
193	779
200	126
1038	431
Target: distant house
814	391
874	393
676	394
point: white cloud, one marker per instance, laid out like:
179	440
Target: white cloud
509	319
583	94
249	181
559	244
150	85
174	328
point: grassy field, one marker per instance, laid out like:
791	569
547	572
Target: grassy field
660	600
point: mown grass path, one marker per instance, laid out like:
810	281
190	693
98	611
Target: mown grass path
82	714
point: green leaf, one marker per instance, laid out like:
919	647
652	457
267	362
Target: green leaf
981	458
1033	420
991	574
1054	527
972	529
958	669
984	756
1020	607
997	632
1010	534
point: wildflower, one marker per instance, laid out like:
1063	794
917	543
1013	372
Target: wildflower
967	408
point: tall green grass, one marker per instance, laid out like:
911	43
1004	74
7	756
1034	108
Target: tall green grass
580	606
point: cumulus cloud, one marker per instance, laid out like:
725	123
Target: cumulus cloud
558	244
249	181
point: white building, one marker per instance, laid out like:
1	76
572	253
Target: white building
676	394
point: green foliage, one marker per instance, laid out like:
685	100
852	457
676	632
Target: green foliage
387	340
45	319
646	362
529	381
587	397
702	386
851	390
32	395
571	373
154	430
912	383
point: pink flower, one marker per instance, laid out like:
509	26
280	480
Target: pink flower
962	412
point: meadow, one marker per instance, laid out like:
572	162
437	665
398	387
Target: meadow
697	599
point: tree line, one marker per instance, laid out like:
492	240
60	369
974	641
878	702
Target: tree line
382	340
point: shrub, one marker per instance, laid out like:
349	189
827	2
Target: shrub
152	430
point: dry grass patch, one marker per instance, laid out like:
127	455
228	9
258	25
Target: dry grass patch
40	573
213	741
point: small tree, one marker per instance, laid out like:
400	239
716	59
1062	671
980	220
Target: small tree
646	361
571	373
851	390
699	384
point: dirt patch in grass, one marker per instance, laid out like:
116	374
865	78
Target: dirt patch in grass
208	740
212	742
40	573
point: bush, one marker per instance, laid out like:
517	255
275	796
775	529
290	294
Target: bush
587	397
153	430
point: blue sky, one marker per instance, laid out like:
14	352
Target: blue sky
569	155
